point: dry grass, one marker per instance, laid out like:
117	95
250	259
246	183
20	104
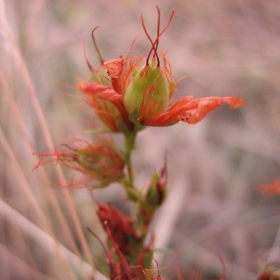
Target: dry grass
224	48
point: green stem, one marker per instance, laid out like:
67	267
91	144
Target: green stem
133	194
129	147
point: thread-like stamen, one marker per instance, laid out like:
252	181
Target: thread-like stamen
159	33
158	30
149	37
130	49
123	261
155	44
85	55
99	240
95	45
167	25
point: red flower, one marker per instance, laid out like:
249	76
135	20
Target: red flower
191	111
120	226
143	96
101	161
269	189
104	90
269	273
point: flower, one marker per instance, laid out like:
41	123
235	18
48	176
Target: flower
268	272
148	94
270	189
191	110
106	104
120	72
120	226
126	256
142	97
108	114
101	161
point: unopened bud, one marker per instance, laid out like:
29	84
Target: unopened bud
148	93
157	190
103	162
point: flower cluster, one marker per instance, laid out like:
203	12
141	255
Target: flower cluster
127	95
122	93
100	161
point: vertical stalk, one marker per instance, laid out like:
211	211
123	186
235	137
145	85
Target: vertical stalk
129	147
133	194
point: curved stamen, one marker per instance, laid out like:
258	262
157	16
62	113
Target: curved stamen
149	37
95	45
155	44
168	23
159	33
85	55
158	30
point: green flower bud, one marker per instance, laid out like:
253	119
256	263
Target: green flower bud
157	190
102	162
148	94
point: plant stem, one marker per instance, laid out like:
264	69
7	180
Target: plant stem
129	147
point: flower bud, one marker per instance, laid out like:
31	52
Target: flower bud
121	227
108	115
157	190
102	161
148	93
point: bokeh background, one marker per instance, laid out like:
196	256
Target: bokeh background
213	210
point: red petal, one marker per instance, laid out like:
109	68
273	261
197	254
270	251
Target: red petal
207	105
192	111
95	90
234	101
172	115
115	69
272	188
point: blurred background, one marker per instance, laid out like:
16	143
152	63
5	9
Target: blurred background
213	209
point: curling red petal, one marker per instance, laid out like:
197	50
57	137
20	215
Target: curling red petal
269	189
115	69
207	105
172	114
233	101
191	111
95	90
